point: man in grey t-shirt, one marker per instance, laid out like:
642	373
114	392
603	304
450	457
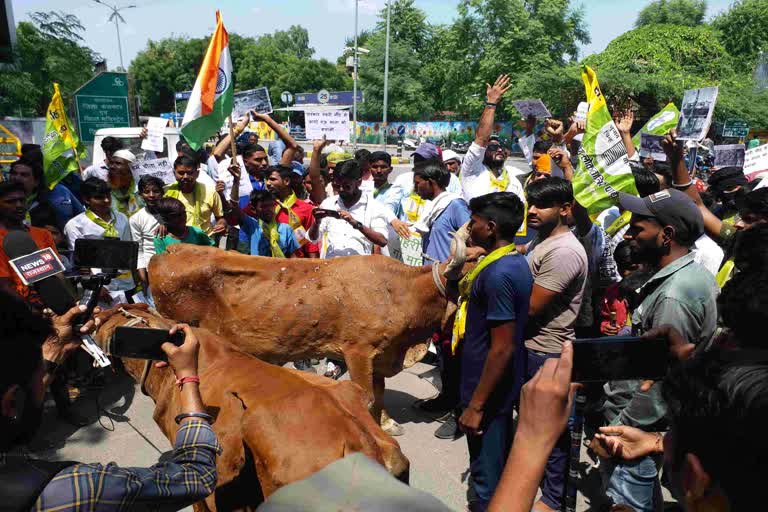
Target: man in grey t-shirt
559	266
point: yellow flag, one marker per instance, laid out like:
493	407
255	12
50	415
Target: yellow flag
61	145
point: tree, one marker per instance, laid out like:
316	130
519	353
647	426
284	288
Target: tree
294	41
408	25
49	50
743	30
673	12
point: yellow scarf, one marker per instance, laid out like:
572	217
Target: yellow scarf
418	204
501	183
725	273
274	237
293	219
465	288
125	202
110	231
621	221
197	217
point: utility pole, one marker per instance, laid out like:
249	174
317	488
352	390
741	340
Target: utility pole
386	79
354	88
115	16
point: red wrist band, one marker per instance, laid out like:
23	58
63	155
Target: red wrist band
184	380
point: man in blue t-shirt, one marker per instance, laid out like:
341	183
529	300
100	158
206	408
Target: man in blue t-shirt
494	300
263	234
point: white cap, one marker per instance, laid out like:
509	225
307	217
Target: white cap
449	154
125	155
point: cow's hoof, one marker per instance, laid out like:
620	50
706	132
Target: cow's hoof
392	427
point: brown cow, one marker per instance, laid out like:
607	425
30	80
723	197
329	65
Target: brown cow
275	425
370	310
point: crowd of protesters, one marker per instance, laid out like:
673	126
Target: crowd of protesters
685	259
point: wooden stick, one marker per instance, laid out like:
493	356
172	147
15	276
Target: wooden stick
232	138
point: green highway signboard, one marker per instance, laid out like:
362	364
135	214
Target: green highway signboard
735	128
102	103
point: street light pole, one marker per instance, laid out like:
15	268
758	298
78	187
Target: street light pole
115	16
386	80
354	88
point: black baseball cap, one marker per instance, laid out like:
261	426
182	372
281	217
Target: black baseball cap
669	207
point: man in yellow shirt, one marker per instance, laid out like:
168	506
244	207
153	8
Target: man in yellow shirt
201	202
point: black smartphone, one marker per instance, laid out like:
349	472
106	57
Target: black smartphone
619	358
143	343
328	213
106	253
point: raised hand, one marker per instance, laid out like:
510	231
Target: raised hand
554	127
625	120
494	92
318	145
672	147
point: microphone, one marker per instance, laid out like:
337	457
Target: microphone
54	291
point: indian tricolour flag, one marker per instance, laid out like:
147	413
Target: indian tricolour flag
212	96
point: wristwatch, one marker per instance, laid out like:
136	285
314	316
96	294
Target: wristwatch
357	225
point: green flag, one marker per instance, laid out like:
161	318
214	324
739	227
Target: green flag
659	124
61	145
603	164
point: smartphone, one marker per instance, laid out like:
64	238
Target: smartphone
619	358
329	213
106	253
143	343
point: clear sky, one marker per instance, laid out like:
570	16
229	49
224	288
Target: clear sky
328	21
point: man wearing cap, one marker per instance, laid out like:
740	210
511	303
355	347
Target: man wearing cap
412	206
482	170
727	184
108	145
125	198
452	161
663	228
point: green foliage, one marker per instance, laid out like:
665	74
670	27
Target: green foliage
280	61
743	30
673	12
49	50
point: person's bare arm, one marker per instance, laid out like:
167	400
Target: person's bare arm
580	214
493	95
496	364
674	150
224	144
624	124
540	299
545	405
318	193
576	127
65	340
291	146
554	128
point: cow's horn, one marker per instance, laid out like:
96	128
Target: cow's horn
458	254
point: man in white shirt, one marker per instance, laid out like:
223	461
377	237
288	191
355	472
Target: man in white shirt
109	145
144	224
101	221
482	170
347	225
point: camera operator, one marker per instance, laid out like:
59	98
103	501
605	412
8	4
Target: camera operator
33	348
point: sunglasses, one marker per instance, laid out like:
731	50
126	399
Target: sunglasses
493	147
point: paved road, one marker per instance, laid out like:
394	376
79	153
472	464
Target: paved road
128	436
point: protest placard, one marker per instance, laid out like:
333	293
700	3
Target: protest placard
535	108
154	139
333	124
160	167
252	99
756	159
407	250
650	145
696	113
729	155
581	112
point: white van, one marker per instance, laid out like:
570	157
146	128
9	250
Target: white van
130	138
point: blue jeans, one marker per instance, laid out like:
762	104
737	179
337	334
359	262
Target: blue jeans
633	483
553	483
487	455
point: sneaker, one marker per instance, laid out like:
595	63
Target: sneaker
335	370
449	429
437	405
304	365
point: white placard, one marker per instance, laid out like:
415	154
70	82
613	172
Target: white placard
160	167
224	175
756	159
581	111
650	145
333	124
729	155
696	113
535	108
154	139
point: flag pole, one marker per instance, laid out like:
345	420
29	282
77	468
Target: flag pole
232	138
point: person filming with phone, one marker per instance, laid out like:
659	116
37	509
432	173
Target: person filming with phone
34	346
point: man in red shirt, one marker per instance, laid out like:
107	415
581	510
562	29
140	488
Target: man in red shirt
291	210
